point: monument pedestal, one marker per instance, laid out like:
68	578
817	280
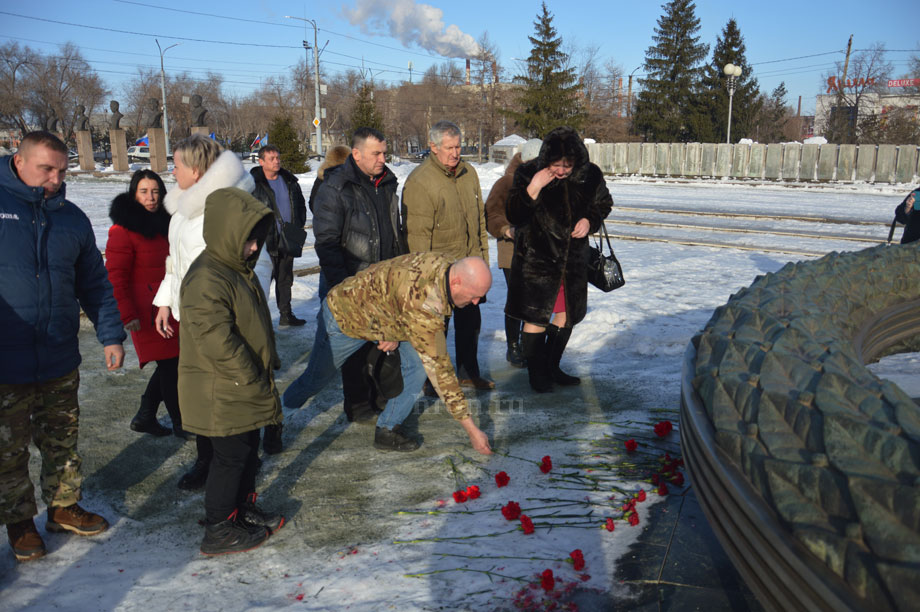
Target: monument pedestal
119	150
201	129
85	150
157	139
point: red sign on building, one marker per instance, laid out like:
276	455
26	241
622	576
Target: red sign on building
904	83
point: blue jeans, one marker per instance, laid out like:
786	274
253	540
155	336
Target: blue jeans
330	350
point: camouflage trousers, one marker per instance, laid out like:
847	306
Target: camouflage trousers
46	413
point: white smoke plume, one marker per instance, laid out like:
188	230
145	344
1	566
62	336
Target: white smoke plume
411	22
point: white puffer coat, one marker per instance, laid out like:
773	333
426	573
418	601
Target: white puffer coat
186	238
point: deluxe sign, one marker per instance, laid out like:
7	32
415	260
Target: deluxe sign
904	83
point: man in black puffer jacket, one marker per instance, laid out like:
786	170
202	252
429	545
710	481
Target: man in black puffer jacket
356	221
279	190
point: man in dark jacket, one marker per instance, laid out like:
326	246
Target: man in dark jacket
279	190
356	222
49	269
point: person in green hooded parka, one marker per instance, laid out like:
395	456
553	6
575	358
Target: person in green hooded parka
226	383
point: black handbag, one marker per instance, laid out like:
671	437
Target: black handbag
291	237
604	271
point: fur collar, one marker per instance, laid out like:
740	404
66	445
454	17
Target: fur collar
226	171
131	215
565	142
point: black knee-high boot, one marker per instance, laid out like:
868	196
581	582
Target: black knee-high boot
514	354
534	347
556	339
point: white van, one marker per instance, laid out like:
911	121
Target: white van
139	153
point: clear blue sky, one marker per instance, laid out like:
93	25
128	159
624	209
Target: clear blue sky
775	33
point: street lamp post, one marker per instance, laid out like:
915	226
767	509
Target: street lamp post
163	90
732	72
317	117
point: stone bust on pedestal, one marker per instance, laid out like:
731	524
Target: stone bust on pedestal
115	121
82	122
154	113
198	112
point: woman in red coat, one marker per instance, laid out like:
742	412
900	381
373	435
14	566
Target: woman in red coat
136	260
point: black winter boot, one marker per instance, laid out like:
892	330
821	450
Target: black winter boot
145	421
556	339
514	355
231	536
271	439
255	515
534	348
196	477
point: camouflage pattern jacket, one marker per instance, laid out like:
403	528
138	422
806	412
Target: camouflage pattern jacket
404	299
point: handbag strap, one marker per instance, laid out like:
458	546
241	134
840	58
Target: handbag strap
597	242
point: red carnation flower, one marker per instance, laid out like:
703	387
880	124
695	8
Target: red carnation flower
501	479
472	491
640	496
677	479
655	479
634	519
663	428
546	465
578	559
631	445
584	577
511	511
526	524
547	581
662	489
459	497
610	525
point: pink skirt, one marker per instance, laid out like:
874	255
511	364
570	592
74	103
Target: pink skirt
559	306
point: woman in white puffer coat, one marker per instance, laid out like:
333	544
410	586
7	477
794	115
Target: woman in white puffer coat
201	167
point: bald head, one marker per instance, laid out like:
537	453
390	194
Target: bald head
470	279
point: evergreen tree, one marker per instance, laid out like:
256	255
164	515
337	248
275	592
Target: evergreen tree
664	107
281	133
365	113
549	98
710	119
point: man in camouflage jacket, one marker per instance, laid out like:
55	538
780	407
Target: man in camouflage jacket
401	304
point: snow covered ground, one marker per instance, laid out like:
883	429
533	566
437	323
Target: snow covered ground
439	553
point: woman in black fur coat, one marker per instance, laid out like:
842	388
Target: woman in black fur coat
555	202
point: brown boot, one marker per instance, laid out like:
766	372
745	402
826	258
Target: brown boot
27	544
75	519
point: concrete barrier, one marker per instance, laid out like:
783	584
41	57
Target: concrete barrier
787	162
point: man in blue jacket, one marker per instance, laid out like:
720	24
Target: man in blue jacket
49	269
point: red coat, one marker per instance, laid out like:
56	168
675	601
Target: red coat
135	256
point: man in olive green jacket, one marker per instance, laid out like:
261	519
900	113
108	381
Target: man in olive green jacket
401	304
226	362
443	208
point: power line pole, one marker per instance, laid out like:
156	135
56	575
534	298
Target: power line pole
318	111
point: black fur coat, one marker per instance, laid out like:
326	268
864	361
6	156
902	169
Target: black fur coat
545	254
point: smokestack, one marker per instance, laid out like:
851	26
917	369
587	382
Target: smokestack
798	112
467	71
494	72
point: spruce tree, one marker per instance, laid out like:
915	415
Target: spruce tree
281	133
549	97
710	119
664	108
365	113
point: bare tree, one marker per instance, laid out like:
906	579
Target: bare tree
867	72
